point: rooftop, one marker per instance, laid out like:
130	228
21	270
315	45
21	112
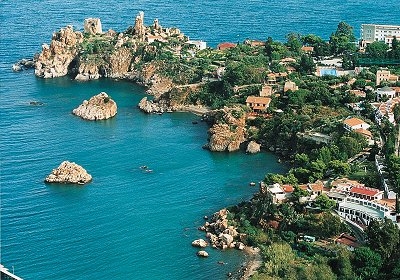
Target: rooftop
353	122
365	191
258	100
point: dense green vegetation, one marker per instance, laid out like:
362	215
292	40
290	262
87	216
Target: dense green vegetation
318	106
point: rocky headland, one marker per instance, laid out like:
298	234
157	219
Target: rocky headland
69	173
93	54
228	131
253	147
153	56
220	234
99	107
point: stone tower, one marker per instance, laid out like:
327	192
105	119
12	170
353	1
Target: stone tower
156	26
92	26
139	28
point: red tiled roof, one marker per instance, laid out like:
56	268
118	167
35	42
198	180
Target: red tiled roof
348	240
258	100
316	187
353	122
307	49
226	45
288	188
303	187
364	132
365	191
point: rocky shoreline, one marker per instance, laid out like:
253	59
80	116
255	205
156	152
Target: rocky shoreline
69	53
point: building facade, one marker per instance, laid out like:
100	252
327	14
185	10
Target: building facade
378	32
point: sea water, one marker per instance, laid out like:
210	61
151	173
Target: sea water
128	223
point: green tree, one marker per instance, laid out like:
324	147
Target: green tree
341	265
324	202
294	42
306	65
367	263
325	154
395	52
396	112
377	50
298	193
301	160
343	40
321	48
318	169
339	167
383	237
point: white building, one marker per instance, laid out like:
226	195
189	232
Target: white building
201	45
354	124
386	110
378	32
385	92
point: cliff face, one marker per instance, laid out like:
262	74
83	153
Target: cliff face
54	60
228	131
127	55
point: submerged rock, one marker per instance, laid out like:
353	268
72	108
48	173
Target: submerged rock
199	243
69	173
203	254
99	107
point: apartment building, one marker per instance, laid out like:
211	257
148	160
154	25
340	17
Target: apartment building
378	32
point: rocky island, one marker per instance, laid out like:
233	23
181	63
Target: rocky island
99	107
69	173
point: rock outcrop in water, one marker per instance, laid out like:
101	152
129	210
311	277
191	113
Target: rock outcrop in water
23	64
69	173
253	147
55	60
220	234
228	131
99	107
125	55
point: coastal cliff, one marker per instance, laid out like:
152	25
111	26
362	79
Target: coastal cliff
228	131
135	54
55	60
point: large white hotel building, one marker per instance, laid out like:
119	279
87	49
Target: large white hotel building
378	32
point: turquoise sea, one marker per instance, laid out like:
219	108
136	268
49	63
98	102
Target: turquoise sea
128	224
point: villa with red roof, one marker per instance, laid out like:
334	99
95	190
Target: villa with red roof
358	126
225	46
366	193
348	241
258	104
355	123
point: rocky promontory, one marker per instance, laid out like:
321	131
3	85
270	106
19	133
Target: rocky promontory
92	54
149	106
55	60
253	147
220	234
69	173
228	131
99	107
